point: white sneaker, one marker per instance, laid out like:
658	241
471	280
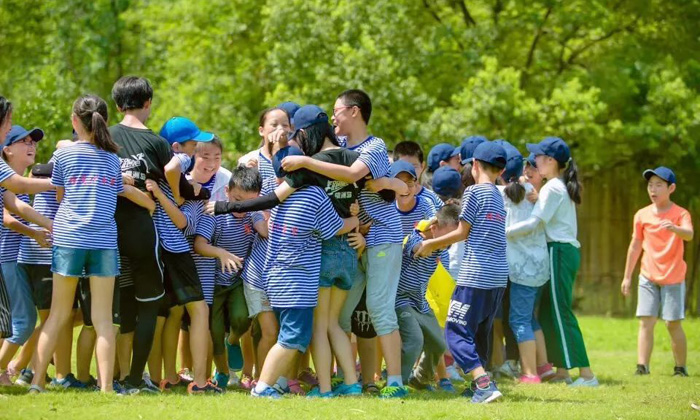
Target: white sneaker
233	379
582	382
453	373
510	369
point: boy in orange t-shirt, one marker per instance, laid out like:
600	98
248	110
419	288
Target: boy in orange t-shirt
659	231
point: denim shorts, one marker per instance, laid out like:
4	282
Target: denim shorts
523	301
338	263
296	325
73	262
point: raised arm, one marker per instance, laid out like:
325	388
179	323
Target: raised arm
264	202
349	174
429	246
21	185
171	209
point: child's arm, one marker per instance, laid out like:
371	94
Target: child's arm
21	185
172	175
41	236
523	228
385	183
429	246
264	202
229	262
349	224
349	174
684	230
25	211
633	253
139	198
171	209
260	225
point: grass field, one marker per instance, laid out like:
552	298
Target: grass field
612	349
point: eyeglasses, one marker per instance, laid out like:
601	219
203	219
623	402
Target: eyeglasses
336	111
28	141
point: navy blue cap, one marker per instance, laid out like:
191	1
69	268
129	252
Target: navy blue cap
466	149
553	147
662	172
181	129
447	181
440	152
306	116
18	133
531	160
290	108
491	152
279	157
514	163
402	166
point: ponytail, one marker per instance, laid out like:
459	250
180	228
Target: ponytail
573	185
515	191
91	110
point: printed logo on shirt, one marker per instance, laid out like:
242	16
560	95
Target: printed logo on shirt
135	166
457	312
496	217
364	322
283	229
333	188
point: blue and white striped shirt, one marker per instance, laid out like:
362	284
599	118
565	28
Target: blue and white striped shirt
416	273
5	173
431	196
422	210
9	239
297	227
265	166
29	250
484	265
92	179
386	228
254	265
171	238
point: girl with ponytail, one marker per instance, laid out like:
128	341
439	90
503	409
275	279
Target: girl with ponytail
556	211
87	176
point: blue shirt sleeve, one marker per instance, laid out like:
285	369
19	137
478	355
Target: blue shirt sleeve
5	171
376	159
117	174
470	206
414	239
206	226
327	222
57	173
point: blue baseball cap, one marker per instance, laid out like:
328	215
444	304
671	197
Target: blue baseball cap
514	162
531	160
466	149
18	133
306	116
447	181
662	172
553	147
492	153
279	157
290	108
181	129
440	152
402	166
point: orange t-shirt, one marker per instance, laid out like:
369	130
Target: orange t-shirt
662	261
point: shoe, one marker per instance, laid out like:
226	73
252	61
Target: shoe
546	372
119	389
235	356
454	374
5	379
146	386
35	389
371	389
233	380
25	378
680	371
445	384
414	383
209	388
91	382
247	382
485	396
509	368
337	381
149	383
269	392
294	388
582	382
220	380
186	375
642	370
529	379
307	376
343	390
69	382
561	379
394	391
470	390
166	385
316	393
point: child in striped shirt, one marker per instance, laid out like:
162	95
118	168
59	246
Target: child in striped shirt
412	209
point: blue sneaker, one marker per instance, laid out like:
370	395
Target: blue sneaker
69	382
394	391
446	385
354	390
485	396
269	392
220	380
235	356
316	393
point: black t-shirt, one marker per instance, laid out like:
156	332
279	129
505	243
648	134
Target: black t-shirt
143	153
342	194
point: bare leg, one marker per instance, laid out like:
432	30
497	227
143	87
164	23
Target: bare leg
155	358
102	293
645	341
678	342
171	332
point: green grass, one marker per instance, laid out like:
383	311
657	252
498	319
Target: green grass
612	349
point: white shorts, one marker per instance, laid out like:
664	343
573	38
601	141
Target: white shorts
256	300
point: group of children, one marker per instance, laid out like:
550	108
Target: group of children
316	235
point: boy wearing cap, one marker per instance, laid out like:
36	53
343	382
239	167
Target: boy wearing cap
447	183
483	276
411	209
658	235
443	154
411	152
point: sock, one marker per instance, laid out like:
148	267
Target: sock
483	381
283	382
261	386
394	380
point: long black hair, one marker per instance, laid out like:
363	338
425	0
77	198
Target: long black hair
91	110
311	139
573	185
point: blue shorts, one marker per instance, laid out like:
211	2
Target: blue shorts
73	262
338	263
296	326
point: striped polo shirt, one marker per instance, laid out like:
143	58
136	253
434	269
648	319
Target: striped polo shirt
9	239
422	210
431	196
254	265
29	250
416	273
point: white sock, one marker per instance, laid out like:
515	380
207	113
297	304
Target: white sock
394	380
282	382
260	387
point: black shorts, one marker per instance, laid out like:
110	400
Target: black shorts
138	242
181	281
40	280
5	311
85	306
361	324
127	310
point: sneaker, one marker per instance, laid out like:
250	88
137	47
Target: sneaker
470	390
546	372
25	378
294	388
454	374
35	389
130	389
307	376
414	383
69	382
509	368
529	379
561	379
186	375
485	396
91	382
149	383
582	382
118	389
445	384
235	356
220	380
642	370
166	385
394	391
208	388
233	380
680	371
316	393
247	382
5	379
344	390
269	392
371	389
